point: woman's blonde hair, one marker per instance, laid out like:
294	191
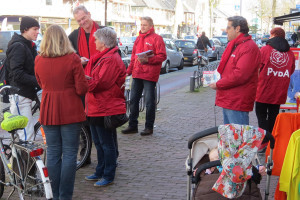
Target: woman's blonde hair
55	42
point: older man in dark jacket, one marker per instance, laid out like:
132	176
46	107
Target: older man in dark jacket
21	53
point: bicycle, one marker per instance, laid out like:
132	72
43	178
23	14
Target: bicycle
202	62
85	142
21	160
142	99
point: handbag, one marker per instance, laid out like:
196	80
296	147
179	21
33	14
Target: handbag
115	121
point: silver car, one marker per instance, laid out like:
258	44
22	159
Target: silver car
126	44
174	57
5	37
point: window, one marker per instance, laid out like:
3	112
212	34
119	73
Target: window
49	2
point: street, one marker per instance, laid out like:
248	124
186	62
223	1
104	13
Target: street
153	167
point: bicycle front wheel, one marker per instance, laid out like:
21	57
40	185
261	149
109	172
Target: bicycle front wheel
2	178
85	144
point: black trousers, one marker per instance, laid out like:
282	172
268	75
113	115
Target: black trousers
266	115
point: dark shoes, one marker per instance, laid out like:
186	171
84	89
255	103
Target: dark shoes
147	131
129	130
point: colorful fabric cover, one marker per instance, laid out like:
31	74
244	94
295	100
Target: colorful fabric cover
238	144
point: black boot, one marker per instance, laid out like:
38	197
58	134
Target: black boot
129	130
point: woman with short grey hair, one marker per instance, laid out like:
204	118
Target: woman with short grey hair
106	74
107	36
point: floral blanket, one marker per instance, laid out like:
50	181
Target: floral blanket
238	144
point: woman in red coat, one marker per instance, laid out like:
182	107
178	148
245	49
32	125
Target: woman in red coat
277	66
59	73
106	74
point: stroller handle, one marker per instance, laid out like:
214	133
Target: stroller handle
201	134
270	137
205	166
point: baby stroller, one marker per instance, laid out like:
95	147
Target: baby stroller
200	184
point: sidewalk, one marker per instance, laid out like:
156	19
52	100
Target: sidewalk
152	167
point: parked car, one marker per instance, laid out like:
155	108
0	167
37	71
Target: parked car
220	40
216	52
174	57
190	37
188	49
5	37
265	38
125	58
126	43
168	36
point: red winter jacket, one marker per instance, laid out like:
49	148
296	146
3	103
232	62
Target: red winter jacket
275	71
151	70
237	87
105	96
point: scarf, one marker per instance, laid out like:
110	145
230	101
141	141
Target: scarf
83	49
140	42
230	48
238	145
93	62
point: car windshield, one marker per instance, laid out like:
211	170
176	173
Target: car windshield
189	37
223	40
185	44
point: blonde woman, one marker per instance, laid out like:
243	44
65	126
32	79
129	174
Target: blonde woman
60	74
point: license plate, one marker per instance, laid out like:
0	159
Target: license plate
186	58
1	50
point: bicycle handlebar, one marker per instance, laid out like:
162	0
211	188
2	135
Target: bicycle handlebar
10	89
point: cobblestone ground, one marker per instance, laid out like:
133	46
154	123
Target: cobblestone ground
152	167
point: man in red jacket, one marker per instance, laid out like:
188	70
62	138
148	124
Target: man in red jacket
145	73
239	73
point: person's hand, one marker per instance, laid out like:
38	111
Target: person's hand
297	94
84	60
213	86
262	170
143	60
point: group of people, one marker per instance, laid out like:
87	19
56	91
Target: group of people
82	77
251	75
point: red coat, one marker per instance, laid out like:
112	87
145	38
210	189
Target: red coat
275	71
106	88
63	82
237	87
151	70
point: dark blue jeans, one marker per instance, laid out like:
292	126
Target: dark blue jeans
136	92
105	144
62	142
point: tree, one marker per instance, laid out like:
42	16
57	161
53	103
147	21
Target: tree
273	11
212	5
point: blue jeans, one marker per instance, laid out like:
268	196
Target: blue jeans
62	142
136	92
105	144
235	117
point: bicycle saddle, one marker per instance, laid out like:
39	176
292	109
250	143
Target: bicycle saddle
13	122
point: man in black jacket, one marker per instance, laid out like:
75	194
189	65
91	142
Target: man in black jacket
82	38
202	43
21	53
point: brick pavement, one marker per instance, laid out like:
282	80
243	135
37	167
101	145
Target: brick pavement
152	167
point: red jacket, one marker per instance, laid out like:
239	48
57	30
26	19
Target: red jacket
63	82
151	70
106	88
237	87
276	69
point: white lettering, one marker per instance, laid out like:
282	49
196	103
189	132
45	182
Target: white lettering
286	73
269	71
278	73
